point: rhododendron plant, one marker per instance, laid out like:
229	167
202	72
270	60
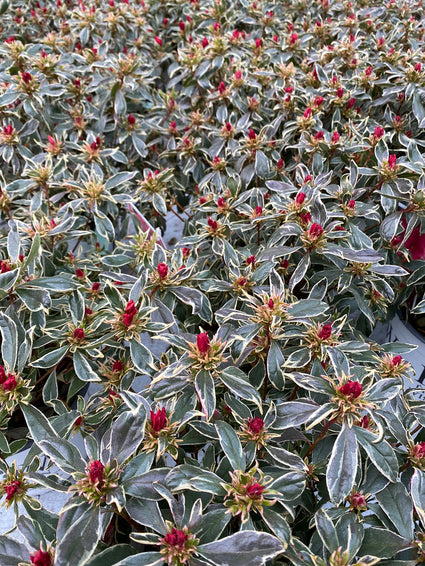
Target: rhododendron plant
205	209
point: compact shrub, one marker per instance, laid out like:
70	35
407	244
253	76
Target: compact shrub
286	137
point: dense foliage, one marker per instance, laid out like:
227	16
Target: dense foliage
288	137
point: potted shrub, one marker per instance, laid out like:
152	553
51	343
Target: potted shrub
271	429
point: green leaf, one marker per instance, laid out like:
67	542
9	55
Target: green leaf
51	358
418	494
204	385
34	299
9	344
275	362
146	513
342	468
119	179
126	434
231	445
237	382
64	454
380	453
143	559
12	552
277	524
326	530
8	279
87	530
83	369
111	555
396	503
247	548
142	486
141	357
382	543
293	413
38	425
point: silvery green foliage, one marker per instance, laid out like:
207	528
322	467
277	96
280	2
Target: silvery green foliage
287	137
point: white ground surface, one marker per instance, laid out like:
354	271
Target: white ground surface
53	500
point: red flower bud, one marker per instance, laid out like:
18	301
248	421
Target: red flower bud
11	488
96	471
270	304
41	558
251	134
300	198
158	40
293	39
284	264
255	425
254	490
79	335
186	252
158	419
212	224
279	164
351	204
392	161
378	132
203	342
358	501
95	286
176	538
340	92
26	77
335	137
325	332
396	361
258	210
351	103
320	135
181	26
221	88
131	119
78	422
250	260
117	366
315	231
205	42
351	389
318	101
3	375
79	274
307	113
162	270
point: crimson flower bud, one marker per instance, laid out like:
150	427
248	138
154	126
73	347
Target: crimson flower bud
258	210
78	422
392	161
315	231
251	134
307	113
176	538
79	334
131	119
158	419
396	361
340	92
186	252
320	135
79	274
96	471
293	39
3	375
351	389
162	270
335	137
158	40
300	198
358	501
10	383
205	42
221	202
325	332
255	425
254	490
284	264
203	342
279	164
221	88
351	103
258	42
117	366
418	67
318	101
212	224
351	204
305	217
26	77
182	26
250	260
95	286
202	200
11	488
378	132
368	71
271	304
